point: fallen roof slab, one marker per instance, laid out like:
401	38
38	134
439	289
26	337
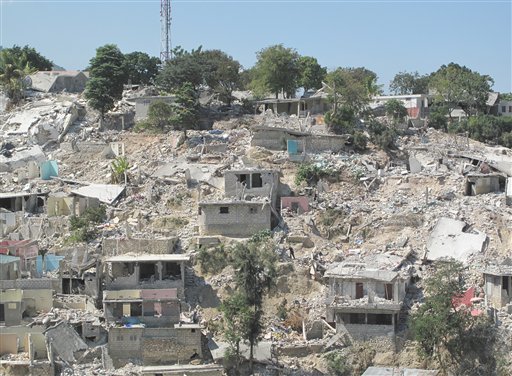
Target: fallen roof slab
385	371
106	193
448	239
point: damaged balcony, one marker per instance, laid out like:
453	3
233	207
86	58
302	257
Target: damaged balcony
146	308
363	301
146	272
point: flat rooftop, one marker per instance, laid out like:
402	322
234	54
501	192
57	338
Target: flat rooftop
148	258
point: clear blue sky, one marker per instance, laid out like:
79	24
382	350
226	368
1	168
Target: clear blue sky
384	36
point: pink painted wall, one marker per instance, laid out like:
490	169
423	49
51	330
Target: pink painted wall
286	202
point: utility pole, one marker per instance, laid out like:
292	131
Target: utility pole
165	23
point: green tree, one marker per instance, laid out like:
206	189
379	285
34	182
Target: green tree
221	74
409	83
185	67
342	121
311	74
255	265
352	88
450	334
159	114
459	86
237	323
186	110
107	76
141	68
13	73
395	110
437	117
382	135
276	71
29	56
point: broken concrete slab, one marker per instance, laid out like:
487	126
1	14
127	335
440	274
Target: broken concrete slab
414	165
21	157
106	193
262	351
64	341
449	239
390	371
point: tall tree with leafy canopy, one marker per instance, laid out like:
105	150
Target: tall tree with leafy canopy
107	76
237	323
255	265
13	73
184	67
222	73
276	71
351	88
459	86
186	109
29	56
311	74
459	341
405	83
141	68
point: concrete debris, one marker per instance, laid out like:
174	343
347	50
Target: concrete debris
128	296
449	239
106	193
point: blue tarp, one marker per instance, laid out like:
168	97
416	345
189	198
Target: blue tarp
49	169
52	263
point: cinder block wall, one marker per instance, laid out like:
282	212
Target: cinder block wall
239	222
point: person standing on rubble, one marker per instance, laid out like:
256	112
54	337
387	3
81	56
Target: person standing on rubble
292	252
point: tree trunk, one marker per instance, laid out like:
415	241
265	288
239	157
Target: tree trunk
251	355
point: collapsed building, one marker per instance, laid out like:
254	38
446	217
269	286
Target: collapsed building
498	284
364	301
142	308
249	205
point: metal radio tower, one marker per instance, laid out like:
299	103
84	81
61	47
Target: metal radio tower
165	20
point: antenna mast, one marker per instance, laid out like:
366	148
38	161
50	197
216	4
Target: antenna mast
165	21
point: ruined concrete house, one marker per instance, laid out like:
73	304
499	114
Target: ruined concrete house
248	183
251	197
274	138
26	250
16	304
366	302
498	284
416	104
477	184
9	267
61	203
148	271
80	273
142	307
234	218
22	201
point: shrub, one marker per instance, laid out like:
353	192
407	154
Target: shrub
360	141
213	260
82	228
309	173
120	167
337	364
342	121
382	135
437	118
